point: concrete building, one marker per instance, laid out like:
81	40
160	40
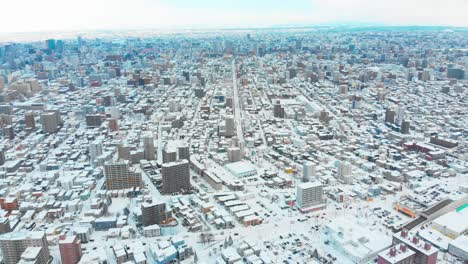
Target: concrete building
120	175
148	145
13	245
309	196
344	170
95	150
49	122
183	151
308	171
154	213
398	254
70	249
425	253
459	247
175	177
390	116
278	110
234	154
229	126
29	120
169	154
241	169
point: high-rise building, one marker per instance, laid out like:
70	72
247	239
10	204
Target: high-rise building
234	154
154	213
29	120
95	150
308	171
13	245
398	254
2	83
50	44
456	73
50	122
123	151
120	175
175	177
229	126
345	169
405	127
2	156
94	120
70	249
9	132
278	110
390	116
309	196
113	124
174	106
425	253
184	151
148	145
324	116
169	154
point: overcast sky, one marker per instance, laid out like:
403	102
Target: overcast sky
64	15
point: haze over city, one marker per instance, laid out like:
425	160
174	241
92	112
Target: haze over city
59	15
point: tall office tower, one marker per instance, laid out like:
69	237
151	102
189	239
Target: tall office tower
234	154
175	177
308	171
108	100
94	120
390	116
400	115
169	154
186	75
9	132
298	44
120	175
70	249
229	126
59	45
148	145
154	213
292	72
13	245
455	73
2	156
324	116
50	44
123	151
29	120
95	150
309	196
113	125
49	122
173	106
343	89
184	151
229	102
2	83
278	110
405	127
344	169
